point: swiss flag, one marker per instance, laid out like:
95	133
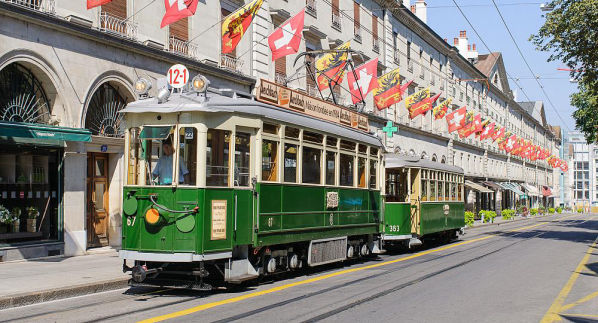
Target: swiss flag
285	39
564	166
487	132
367	80
498	134
477	123
177	10
511	143
96	3
456	119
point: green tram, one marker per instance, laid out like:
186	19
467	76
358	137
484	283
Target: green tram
424	199
222	188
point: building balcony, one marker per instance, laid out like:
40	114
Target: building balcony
357	35
182	47
336	21
397	57
280	78
231	63
46	6
310	7
376	45
118	26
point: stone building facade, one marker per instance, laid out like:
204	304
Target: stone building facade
86	63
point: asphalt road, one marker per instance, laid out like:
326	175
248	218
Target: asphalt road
542	269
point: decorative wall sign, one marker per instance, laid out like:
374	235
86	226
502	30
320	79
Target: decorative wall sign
283	97
218	227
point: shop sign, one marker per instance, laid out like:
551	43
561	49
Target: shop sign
104	148
272	93
218	227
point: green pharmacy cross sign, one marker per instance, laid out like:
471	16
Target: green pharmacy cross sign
389	129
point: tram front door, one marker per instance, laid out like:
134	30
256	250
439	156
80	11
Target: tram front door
97	200
415	199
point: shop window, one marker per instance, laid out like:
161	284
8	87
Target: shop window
217	157
242	157
311	165
290	163
330	167
346	165
29	193
269	160
361	175
373	174
188	155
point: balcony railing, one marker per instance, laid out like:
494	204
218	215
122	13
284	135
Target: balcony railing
231	63
115	25
410	66
336	20
310	7
357	35
376	45
397	57
422	73
280	79
182	47
47	6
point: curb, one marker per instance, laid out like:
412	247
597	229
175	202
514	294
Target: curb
17	300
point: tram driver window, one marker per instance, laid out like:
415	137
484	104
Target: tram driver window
346	170
150	156
269	161
311	165
188	154
217	157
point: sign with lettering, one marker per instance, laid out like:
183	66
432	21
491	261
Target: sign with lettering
283	97
218	220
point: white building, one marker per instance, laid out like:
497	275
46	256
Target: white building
581	181
80	66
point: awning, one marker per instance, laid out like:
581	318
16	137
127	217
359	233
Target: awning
493	185
18	132
513	187
531	190
546	191
398	161
477	187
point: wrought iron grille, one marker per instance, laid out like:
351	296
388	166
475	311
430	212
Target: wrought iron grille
22	97
103	117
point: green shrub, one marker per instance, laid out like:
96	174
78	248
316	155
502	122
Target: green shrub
559	210
508	214
469	218
579	210
541	210
533	211
520	209
551	210
487	215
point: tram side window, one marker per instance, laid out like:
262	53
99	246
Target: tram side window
217	157
424	185
432	195
242	156
311	165
447	189
188	155
460	189
373	172
330	167
441	186
346	170
269	160
361	171
290	163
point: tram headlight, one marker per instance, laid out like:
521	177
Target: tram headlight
152	216
142	86
200	83
163	95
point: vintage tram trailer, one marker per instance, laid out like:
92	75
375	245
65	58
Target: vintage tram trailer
424	200
257	188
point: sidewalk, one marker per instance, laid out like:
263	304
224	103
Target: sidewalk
35	281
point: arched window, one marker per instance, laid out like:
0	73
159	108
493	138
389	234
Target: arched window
443	159
434	157
424	155
22	97
411	152
103	118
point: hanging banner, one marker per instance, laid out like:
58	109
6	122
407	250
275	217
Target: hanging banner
177	10
285	40
456	119
440	110
389	90
96	3
272	93
367	79
236	24
330	67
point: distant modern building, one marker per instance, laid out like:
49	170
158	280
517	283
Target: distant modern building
581	181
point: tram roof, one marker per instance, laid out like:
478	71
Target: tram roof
397	161
191	102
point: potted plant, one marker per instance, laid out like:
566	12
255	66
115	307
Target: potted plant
32	214
6	219
16	215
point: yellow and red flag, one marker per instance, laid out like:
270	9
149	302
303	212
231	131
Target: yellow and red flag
235	25
330	67
488	131
389	90
420	102
499	134
474	125
440	110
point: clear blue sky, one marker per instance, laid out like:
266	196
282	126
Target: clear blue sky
524	19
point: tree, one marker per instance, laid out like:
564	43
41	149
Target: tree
570	34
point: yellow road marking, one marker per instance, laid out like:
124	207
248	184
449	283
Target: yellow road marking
580	301
315	279
552	315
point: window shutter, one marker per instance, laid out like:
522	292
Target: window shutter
335	7
116	8
180	29
309	69
280	66
375	27
356	14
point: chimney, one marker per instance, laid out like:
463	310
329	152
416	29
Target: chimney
407	3
474	48
413	8
463	43
421	10
469	48
456	41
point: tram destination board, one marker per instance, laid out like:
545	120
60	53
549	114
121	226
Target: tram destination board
284	97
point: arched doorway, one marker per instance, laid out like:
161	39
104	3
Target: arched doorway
22	97
103	119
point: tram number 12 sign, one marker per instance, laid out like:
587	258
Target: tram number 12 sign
178	76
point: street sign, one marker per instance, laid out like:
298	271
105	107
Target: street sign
178	76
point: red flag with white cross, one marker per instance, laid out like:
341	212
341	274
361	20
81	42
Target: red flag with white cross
96	3
487	132
285	40
510	143
499	134
456	119
177	10
367	80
